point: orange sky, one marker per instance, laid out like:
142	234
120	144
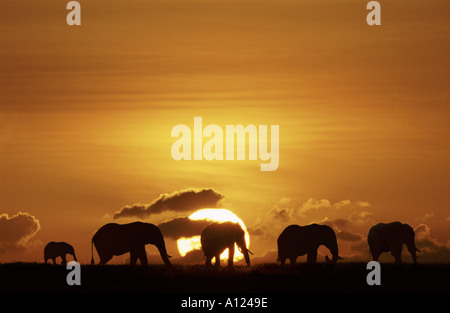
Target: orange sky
86	115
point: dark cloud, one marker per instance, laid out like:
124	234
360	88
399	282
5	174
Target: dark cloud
17	230
338	222
178	201
431	250
282	214
269	256
349	219
348	236
182	227
281	211
344	229
195	256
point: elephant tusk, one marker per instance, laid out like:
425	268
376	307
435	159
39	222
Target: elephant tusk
240	250
339	258
168	256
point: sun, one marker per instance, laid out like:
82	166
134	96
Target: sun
214	215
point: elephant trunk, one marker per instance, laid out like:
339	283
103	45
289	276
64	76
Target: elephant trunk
72	252
334	252
165	257
245	252
246	257
156	238
412	249
333	260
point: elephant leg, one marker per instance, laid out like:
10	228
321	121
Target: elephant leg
63	259
133	257
312	257
208	261
396	251
231	255
375	255
282	261
398	257
412	251
54	261
293	259
217	260
142	256
104	258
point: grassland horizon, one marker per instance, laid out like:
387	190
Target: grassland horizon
260	279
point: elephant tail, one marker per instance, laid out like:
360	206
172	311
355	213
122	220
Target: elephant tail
92	252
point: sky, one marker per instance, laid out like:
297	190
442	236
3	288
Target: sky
86	114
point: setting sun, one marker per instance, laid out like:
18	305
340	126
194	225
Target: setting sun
214	215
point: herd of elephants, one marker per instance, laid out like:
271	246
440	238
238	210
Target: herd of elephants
117	239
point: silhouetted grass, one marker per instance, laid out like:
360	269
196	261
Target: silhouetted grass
263	278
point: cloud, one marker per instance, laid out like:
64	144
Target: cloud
270	225
344	229
431	249
17	230
349	219
281	210
349	236
269	256
182	227
426	216
342	204
314	204
178	201
363	204
195	256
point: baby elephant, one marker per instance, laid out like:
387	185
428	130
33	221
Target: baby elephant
55	249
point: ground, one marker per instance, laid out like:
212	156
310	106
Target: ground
258	279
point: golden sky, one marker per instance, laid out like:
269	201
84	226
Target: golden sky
86	114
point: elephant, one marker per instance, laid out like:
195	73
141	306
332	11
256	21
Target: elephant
384	237
298	240
58	249
217	237
116	239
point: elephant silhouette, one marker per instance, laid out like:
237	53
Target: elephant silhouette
217	237
117	239
297	240
58	249
385	237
